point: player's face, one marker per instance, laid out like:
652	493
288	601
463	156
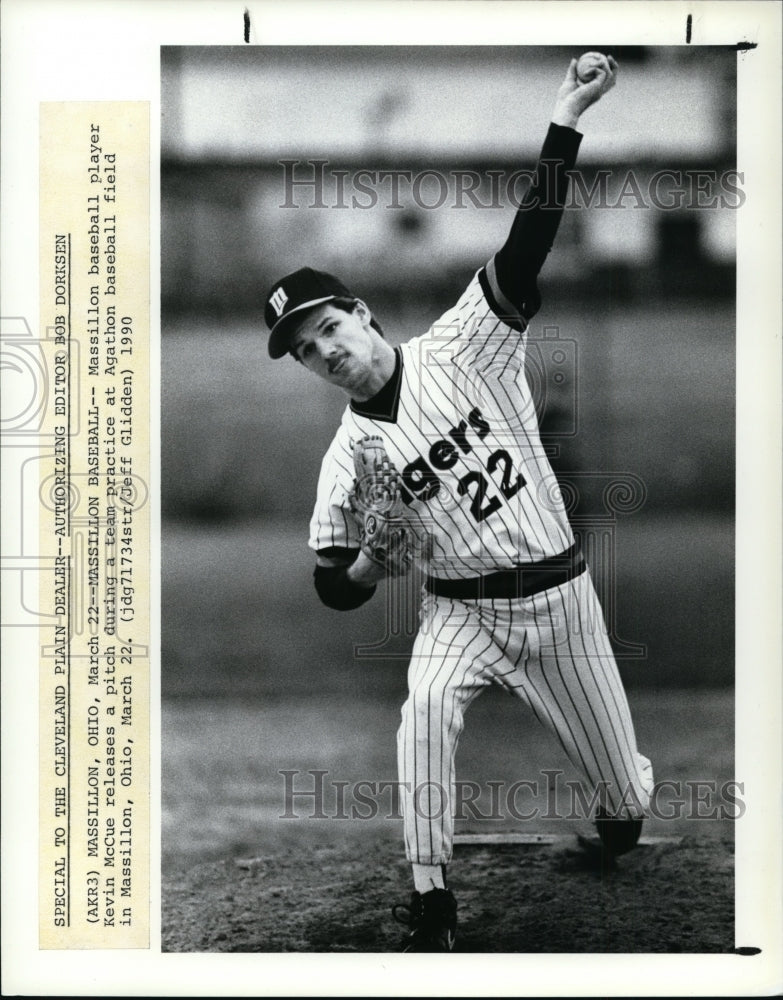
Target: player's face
337	345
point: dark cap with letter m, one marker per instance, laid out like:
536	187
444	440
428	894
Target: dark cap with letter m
298	291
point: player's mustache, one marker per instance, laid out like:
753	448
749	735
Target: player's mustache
334	362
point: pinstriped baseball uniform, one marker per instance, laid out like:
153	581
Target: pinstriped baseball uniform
458	421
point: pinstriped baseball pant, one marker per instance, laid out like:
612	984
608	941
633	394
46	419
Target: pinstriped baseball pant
552	651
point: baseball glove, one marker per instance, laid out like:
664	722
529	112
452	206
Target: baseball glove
377	505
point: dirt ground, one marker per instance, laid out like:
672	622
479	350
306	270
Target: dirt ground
520	898
237	877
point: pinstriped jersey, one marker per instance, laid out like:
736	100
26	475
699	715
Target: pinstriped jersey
459	423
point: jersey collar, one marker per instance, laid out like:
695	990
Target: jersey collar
383	405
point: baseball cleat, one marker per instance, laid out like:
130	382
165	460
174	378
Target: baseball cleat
618	835
431	919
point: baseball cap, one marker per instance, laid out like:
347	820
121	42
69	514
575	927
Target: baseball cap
299	290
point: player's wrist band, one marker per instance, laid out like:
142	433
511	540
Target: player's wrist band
521	581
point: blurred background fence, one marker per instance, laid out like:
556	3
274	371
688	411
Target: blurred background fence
263	150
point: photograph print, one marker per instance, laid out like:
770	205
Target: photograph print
448	411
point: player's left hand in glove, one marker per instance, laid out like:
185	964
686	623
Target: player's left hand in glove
378	506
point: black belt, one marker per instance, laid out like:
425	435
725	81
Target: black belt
508	584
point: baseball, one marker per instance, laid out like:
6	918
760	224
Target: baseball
587	66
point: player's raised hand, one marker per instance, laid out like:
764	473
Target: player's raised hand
586	81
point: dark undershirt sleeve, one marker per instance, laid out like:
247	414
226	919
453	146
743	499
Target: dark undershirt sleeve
333	586
513	271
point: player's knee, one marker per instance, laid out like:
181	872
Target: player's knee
429	703
417	706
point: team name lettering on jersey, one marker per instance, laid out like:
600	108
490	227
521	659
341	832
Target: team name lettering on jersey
423	483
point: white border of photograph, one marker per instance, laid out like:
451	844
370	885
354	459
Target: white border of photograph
100	49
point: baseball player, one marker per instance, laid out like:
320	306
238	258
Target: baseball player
438	458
